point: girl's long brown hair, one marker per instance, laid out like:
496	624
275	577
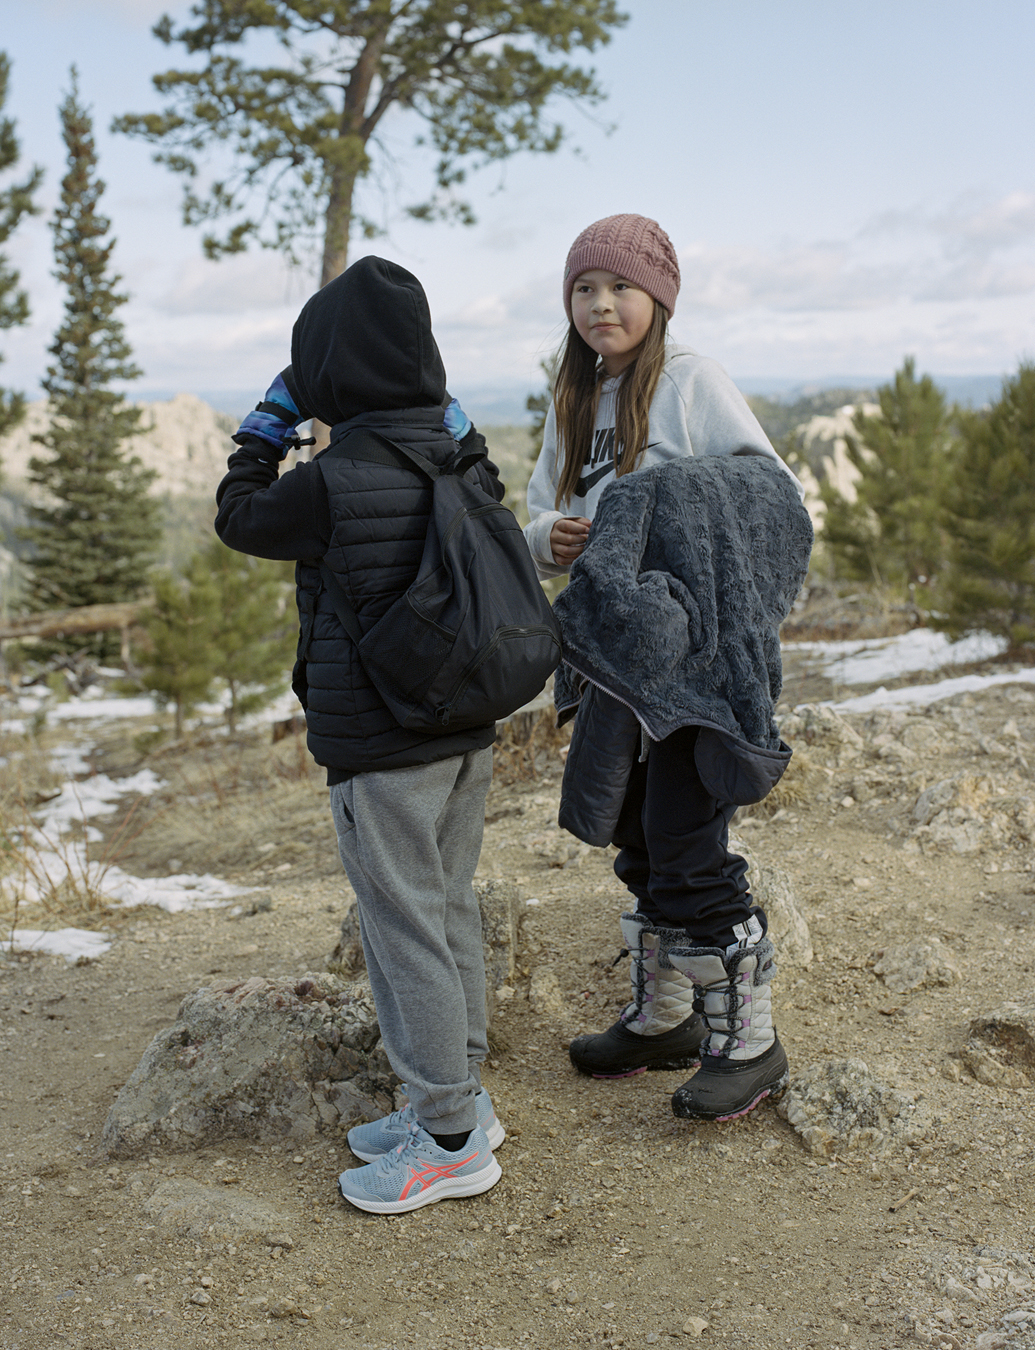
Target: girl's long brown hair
577	392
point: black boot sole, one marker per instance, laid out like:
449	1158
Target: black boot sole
726	1089
619	1053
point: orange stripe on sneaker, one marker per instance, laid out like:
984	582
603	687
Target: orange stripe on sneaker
423	1176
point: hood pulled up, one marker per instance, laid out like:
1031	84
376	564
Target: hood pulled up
363	343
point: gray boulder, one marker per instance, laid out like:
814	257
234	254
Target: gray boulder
917	965
771	888
842	1107
258	1059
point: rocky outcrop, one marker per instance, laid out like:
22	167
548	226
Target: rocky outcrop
824	443
772	889
969	812
260	1059
842	1107
183	439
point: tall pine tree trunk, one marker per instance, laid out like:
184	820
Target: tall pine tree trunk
338	222
354	131
335	259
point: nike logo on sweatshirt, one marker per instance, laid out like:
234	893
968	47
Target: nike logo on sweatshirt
588	481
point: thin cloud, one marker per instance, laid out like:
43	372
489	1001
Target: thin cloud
973	250
250	281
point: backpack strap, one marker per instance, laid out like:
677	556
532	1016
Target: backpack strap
388	452
464	462
340	603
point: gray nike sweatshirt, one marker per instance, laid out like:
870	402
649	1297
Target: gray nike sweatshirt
696	410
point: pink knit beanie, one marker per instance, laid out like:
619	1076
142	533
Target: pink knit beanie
635	248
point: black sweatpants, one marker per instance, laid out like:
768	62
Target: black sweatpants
674	836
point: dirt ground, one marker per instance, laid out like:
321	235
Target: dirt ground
614	1223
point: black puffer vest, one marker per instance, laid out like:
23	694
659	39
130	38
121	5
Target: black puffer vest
379	517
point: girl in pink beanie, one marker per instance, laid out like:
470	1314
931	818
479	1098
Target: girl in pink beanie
627	400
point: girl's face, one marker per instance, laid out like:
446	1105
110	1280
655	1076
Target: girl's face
612	316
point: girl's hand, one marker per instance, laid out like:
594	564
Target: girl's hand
568	539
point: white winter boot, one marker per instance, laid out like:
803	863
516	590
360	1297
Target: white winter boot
742	1060
659	1029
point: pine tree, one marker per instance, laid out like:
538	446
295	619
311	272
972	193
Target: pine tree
180	665
304	132
253	636
892	532
15	202
95	534
990	519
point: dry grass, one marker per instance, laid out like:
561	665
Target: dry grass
45	878
797	788
234	806
526	744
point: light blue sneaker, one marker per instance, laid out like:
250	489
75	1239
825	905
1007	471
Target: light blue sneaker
418	1173
378	1137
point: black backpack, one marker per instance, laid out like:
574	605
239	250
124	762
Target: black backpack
473	638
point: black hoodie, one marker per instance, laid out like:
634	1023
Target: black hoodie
363	354
364	343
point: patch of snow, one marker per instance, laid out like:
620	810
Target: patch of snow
96	705
923	695
866	660
47	869
70	759
174	894
87	798
287	705
50	862
99	707
74	944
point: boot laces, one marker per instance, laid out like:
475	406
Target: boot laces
734	1003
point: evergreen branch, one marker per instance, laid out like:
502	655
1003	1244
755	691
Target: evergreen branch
471	73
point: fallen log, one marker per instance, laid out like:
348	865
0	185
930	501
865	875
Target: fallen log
60	623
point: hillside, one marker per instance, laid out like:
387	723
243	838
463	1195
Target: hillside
903	1218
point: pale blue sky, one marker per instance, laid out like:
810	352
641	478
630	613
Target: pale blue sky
844	185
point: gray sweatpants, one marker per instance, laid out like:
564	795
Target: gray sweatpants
410	840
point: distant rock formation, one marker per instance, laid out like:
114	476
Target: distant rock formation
824	447
184	440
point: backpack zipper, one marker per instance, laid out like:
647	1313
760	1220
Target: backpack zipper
444	710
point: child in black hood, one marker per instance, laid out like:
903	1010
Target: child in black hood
408	807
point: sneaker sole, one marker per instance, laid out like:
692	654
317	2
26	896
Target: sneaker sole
452	1188
495	1133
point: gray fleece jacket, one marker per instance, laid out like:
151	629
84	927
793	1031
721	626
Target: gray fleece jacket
674	611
